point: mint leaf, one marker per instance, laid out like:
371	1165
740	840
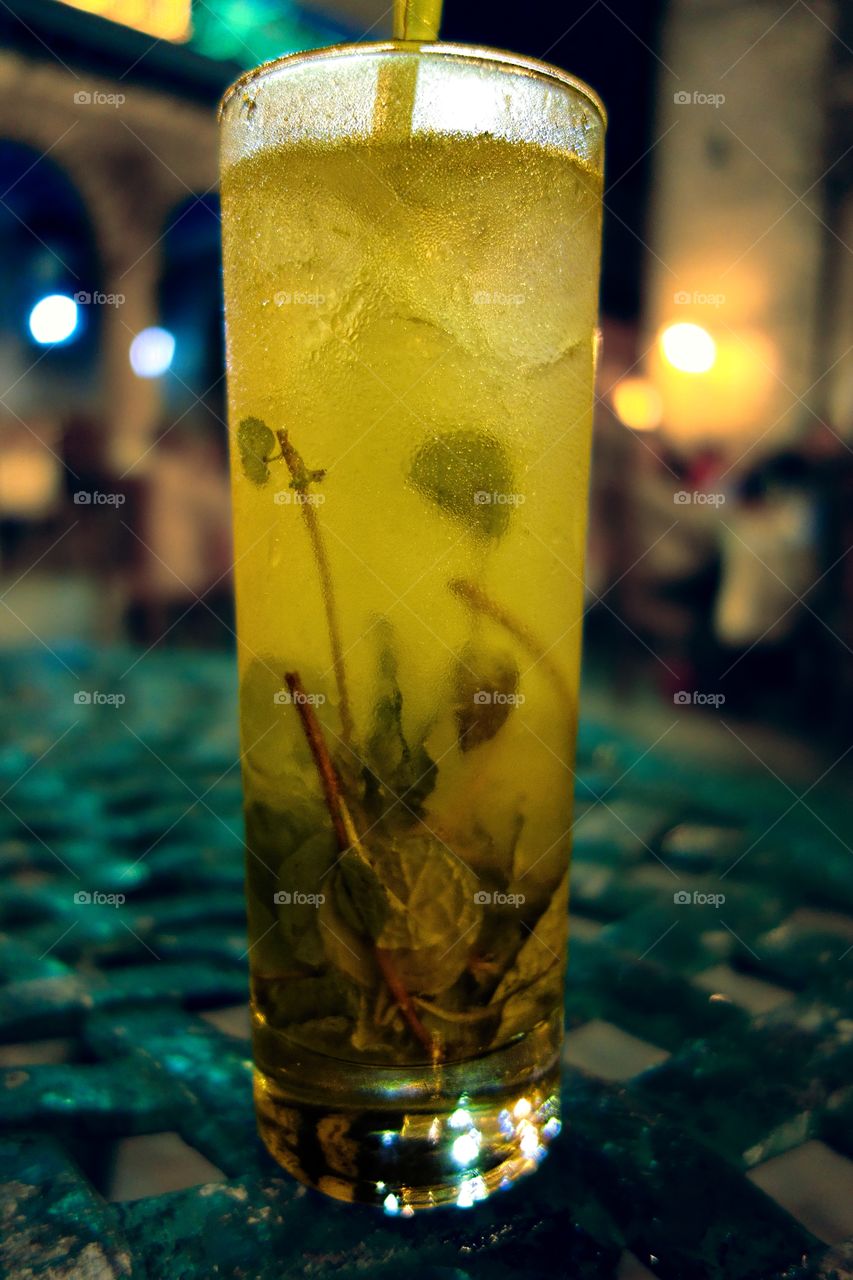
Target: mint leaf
431	894
415	900
271	836
300	890
468	475
395	772
368	1038
486	690
271	833
462	1028
360	896
532	987
298	999
255	443
331	1035
427	971
345	947
268	953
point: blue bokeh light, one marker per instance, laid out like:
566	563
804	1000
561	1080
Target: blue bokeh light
53	319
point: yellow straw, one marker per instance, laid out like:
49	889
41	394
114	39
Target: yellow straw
417	20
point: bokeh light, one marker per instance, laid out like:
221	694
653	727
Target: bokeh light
688	347
637	404
152	352
53	319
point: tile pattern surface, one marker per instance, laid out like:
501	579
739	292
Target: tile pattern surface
705	1112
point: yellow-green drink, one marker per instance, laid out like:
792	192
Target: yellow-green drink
411	240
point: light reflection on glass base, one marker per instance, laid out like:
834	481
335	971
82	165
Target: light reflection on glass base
451	1136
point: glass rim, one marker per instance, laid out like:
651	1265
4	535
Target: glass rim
473	52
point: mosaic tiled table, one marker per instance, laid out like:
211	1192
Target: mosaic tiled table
709	1045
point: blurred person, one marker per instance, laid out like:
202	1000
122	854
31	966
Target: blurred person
769	547
181	586
665	585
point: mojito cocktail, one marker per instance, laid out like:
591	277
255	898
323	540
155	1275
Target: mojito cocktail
411	245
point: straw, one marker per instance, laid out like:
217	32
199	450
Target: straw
417	19
415	22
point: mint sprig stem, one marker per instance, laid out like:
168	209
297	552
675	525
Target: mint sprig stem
347	837
477	600
301	479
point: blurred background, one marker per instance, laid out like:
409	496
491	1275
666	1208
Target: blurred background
719	575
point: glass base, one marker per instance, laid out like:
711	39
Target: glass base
415	1137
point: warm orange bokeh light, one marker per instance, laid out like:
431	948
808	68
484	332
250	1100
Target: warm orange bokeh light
732	398
166	19
637	403
688	347
30	480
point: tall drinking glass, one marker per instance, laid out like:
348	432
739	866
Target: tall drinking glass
411	244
